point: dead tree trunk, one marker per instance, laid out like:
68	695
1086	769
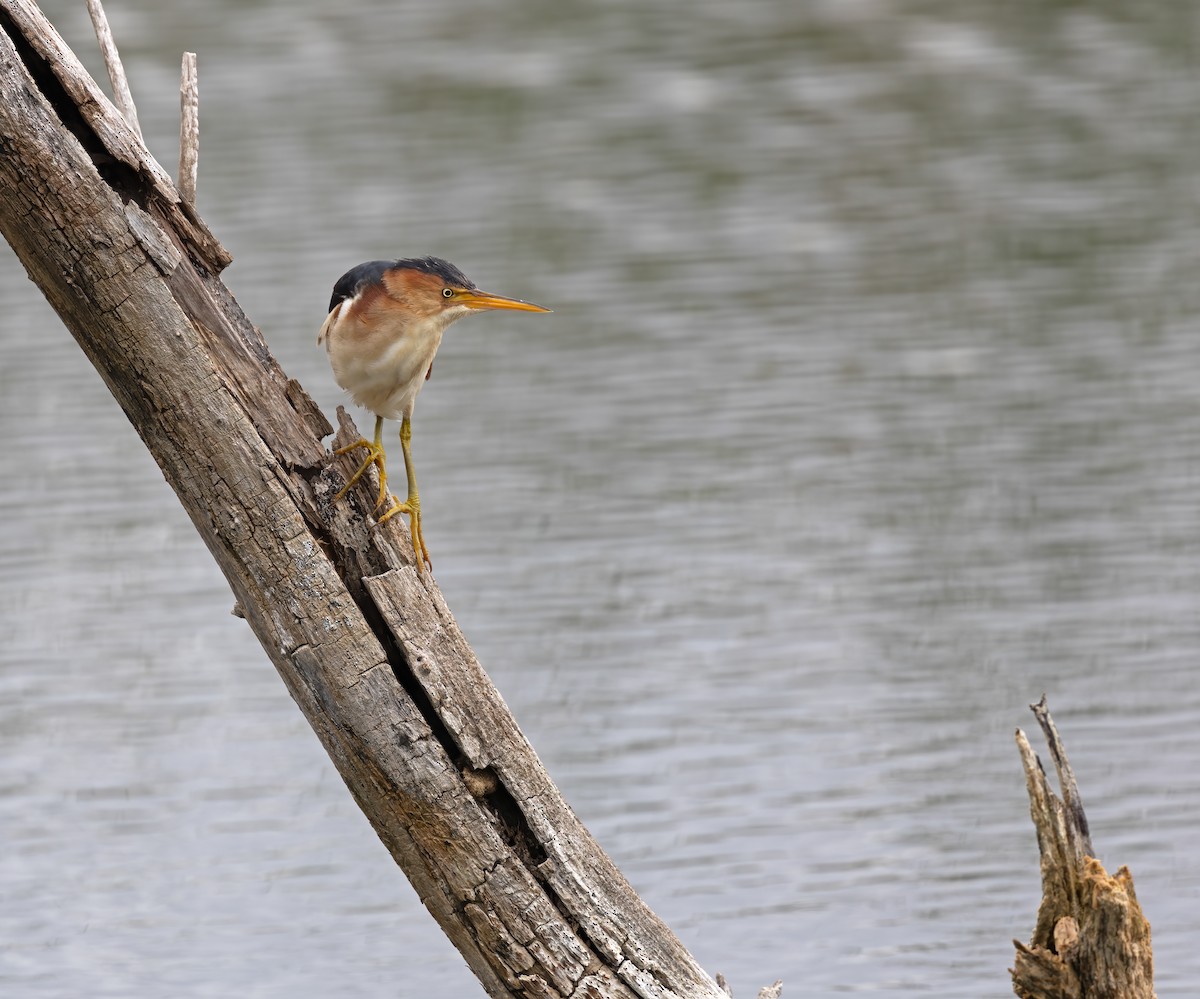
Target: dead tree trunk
1091	938
365	645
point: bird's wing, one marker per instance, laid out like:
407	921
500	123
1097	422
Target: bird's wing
330	320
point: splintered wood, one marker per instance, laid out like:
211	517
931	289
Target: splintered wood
1091	939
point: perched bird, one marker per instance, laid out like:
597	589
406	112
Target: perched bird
385	324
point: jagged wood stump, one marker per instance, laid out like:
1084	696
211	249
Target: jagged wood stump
1091	940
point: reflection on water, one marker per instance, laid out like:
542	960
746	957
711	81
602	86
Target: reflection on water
866	416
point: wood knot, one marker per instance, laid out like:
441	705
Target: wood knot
480	783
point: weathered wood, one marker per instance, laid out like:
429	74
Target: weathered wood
112	62
1091	938
189	128
113	148
365	644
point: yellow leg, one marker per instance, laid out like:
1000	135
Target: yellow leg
412	504
375	456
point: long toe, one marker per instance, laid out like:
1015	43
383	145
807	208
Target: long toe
383	489
420	552
395	508
375	456
361	442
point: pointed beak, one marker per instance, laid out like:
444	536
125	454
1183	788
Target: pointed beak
481	300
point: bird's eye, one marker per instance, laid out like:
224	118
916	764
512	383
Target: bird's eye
447	293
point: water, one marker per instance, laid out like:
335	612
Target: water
866	415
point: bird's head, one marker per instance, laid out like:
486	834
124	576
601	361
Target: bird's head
431	287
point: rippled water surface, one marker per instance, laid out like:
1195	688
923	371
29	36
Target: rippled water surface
867	413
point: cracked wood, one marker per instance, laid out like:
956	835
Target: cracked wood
426	745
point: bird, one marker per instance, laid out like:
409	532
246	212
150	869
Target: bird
385	324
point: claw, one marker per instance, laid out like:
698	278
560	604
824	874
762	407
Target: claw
411	505
375	456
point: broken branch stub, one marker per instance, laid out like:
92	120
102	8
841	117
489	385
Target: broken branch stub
1091	939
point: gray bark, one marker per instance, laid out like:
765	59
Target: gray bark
365	644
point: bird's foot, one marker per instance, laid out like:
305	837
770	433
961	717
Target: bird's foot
375	456
411	506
